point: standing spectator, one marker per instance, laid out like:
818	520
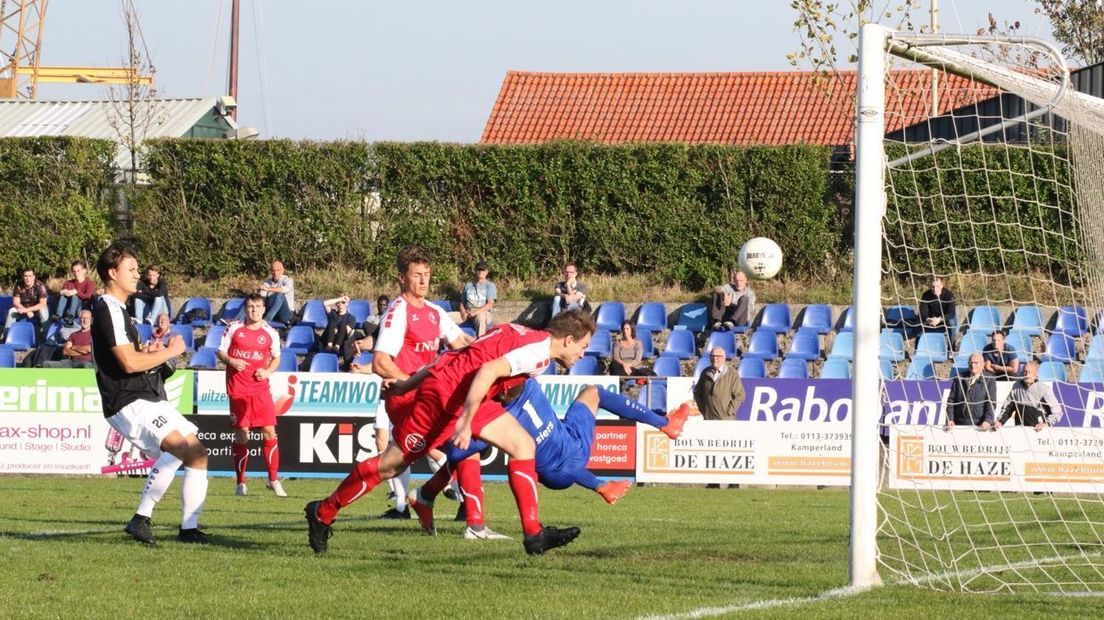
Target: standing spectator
152	295
628	354
279	295
570	293
337	337
973	397
29	299
477	300
1031	401
718	391
937	310
78	346
251	352
733	304
1001	360
76	294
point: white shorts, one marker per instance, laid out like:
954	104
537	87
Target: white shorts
145	423
382	421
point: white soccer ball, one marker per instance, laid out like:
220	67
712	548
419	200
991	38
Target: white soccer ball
760	258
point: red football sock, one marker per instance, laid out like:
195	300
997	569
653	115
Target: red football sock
471	488
240	452
523	482
437	483
363	478
272	457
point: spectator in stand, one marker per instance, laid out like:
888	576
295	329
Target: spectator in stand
337	338
628	354
371	328
937	310
1000	358
161	332
733	304
718	391
973	397
279	294
76	294
1031	401
152	296
477	300
29	299
570	293
78	347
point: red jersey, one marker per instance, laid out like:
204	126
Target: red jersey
527	350
255	346
412	336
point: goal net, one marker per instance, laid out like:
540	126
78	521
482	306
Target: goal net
996	191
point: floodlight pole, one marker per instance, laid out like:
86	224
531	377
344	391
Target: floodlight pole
866	399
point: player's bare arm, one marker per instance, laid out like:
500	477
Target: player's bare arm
133	360
486	376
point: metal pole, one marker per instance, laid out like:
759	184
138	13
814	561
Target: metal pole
232	89
934	71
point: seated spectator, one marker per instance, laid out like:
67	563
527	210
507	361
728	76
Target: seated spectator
78	346
937	310
371	326
76	294
152	298
570	293
628	354
733	304
161	332
1031	402
279	294
972	401
338	338
1000	357
477	300
718	391
29	299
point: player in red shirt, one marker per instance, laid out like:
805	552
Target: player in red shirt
251	352
455	400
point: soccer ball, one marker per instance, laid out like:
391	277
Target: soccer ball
760	258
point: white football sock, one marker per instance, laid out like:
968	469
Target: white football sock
193	494
402	482
160	477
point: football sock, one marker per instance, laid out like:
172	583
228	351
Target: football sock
471	489
363	478
272	457
240	452
437	483
160	477
629	409
523	483
193	494
402	486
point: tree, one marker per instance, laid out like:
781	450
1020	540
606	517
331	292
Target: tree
1078	25
134	105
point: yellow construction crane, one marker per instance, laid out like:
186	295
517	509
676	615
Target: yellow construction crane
21	26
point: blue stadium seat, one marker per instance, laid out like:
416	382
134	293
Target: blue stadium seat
702	364
653	316
1060	347
313	314
762	345
775	318
551	368
1072	320
1052	371
204	358
232	309
5	305
1096	349
360	309
805	345
984	319
195	303
835	368
585	366
1028	319
1021	341
324	362
972	341
817	317
669	366
902	319
960	364
646	341
919	369
611	315
365	358
185	332
932	346
693	317
654	394
601	345
289	362
752	368
145	331
848	320
214	336
1092	373
793	368
680	343
443	304
843	347
301	339
891	345
21	336
469	330
886	368
724	340
53	334
7	357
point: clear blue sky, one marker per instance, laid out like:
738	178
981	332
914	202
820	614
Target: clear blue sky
429	69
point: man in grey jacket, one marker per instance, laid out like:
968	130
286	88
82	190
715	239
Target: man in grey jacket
1031	402
718	391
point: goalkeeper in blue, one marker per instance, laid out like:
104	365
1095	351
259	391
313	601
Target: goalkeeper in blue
563	446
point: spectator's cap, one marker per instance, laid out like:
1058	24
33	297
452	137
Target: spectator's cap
481	266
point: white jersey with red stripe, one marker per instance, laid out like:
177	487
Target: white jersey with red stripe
412	336
256	346
527	350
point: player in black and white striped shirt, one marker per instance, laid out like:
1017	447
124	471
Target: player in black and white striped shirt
131	378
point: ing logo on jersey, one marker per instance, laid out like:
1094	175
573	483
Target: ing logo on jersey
414	442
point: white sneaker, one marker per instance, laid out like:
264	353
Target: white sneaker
484	534
277	488
242	489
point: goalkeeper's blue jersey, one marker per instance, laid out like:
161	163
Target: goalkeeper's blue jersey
556	447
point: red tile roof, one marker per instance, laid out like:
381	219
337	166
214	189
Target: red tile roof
726	108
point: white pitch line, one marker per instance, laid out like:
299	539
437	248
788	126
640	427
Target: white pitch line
706	612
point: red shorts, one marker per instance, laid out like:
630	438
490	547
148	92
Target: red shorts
434	417
400	407
252	411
